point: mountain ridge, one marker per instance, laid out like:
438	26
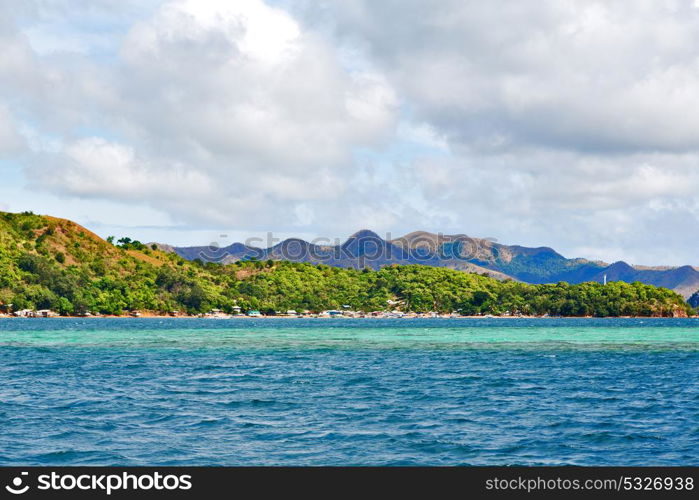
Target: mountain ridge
51	266
535	265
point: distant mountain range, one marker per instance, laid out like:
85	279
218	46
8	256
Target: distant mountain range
532	265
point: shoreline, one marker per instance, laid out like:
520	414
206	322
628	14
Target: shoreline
232	317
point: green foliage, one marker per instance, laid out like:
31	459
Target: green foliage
694	300
128	244
423	289
51	264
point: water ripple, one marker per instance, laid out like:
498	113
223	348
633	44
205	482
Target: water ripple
440	394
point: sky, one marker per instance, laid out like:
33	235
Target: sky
569	124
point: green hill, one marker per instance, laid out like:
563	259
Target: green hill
457	251
49	263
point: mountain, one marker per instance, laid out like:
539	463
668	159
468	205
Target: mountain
684	280
363	249
694	299
225	255
460	252
58	265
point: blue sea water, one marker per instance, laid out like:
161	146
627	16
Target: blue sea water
349	392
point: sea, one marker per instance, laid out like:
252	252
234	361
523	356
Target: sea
364	392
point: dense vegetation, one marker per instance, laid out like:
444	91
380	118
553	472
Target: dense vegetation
694	300
48	263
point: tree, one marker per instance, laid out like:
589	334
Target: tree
694	300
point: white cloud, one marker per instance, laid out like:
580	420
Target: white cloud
627	207
569	124
10	139
582	75
94	167
223	112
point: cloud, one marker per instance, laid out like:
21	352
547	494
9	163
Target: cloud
568	124
572	202
10	139
216	111
576	75
94	167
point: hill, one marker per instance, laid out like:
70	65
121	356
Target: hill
48	263
459	252
694	300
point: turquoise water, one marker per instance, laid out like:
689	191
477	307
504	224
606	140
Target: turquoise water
349	392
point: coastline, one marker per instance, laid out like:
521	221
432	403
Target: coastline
270	317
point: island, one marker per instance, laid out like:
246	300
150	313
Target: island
51	266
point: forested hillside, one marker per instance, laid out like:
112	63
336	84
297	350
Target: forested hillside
48	263
460	252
